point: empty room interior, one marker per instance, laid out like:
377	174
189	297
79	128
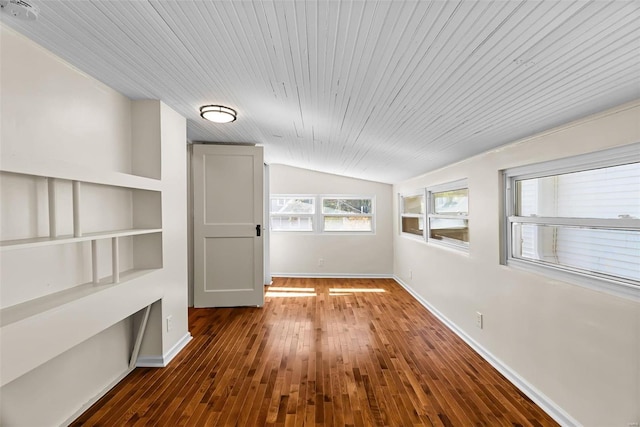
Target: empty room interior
320	213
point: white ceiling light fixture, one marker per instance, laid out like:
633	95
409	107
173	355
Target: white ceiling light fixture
218	113
20	9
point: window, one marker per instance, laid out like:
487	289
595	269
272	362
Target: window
412	209
448	221
347	214
292	213
336	214
578	217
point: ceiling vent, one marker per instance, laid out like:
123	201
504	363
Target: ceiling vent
20	9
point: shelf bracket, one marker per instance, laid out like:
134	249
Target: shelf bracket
139	336
53	223
115	260
94	261
77	230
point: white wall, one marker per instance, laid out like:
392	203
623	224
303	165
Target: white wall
51	112
363	255
578	347
174	215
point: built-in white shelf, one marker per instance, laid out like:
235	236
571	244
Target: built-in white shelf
25	310
38	330
47	241
73	172
124	199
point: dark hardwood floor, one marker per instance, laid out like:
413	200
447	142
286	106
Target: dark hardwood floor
321	352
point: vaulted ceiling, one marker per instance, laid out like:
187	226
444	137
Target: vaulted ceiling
380	90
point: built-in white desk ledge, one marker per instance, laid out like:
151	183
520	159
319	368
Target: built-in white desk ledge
47	241
37	306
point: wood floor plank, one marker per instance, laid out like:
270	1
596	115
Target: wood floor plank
321	352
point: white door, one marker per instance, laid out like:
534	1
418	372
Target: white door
228	212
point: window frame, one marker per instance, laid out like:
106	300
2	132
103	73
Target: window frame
317	218
402	196
322	215
599	281
304	215
430	208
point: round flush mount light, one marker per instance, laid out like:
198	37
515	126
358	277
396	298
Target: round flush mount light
218	113
20	9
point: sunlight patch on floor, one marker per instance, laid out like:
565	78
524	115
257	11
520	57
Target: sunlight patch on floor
283	292
287	292
349	291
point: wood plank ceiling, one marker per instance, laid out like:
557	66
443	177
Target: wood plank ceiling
380	90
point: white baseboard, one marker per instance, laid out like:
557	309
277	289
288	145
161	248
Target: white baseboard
162	361
334	275
143	362
97	397
540	399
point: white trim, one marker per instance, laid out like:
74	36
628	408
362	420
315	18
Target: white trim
620	287
539	398
631	224
412	215
336	275
165	359
292	196
312	215
416	237
605	158
416	193
462	247
143	362
448	216
150	362
321	215
349	232
97	397
317	217
266	227
459	184
306	232
449	186
177	348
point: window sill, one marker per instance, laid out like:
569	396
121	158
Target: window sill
601	284
293	231
412	236
347	233
324	233
451	247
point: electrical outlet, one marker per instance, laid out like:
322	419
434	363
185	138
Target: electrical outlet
169	323
479	319
320	262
